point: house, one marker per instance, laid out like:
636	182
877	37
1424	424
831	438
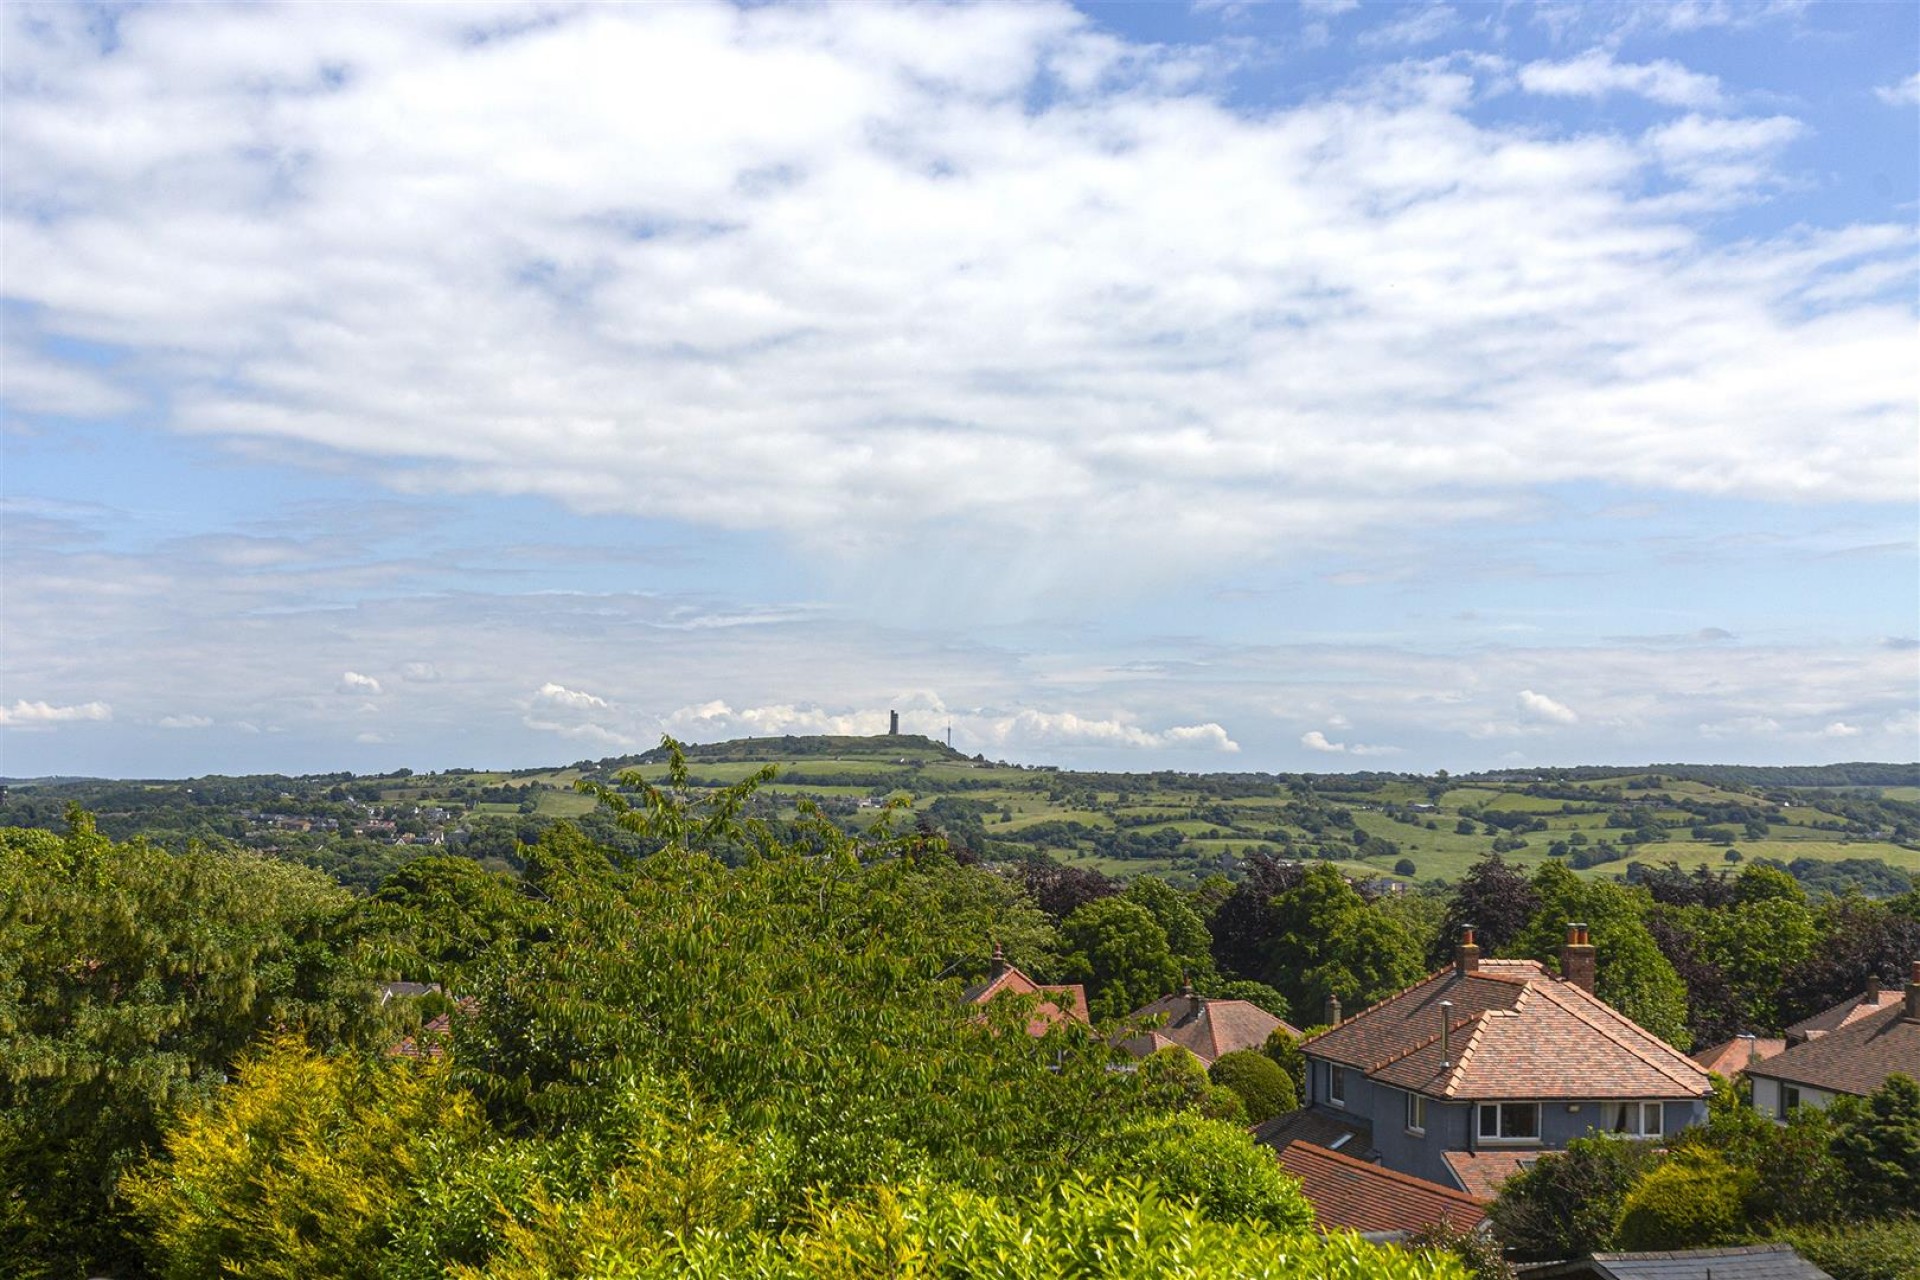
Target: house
1849	1049
1731	1058
1748	1262
1054	1005
1465	1077
1352	1195
1205	1028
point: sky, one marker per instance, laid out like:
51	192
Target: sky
1308	385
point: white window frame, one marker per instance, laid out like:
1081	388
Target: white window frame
1336	1084
1638	1112
1500	1111
1789	1099
1416	1113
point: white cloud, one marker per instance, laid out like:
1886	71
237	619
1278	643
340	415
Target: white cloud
1840	729
1328	8
561	696
1539	706
975	730
1595	74
185	722
1904	94
33	715
354	682
1315	740
822	272
1416	26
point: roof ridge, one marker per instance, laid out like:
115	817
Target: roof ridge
1408	1052
1664	1062
1420	1184
1445	974
1473	1043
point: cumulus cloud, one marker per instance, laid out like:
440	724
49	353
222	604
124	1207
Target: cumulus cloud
561	696
1840	729
354	682
1595	74
1904	94
1539	706
841	250
1315	740
185	722
33	715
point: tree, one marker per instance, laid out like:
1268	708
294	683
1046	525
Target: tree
1329	940
1284	1048
1693	1201
1878	1142
1631	974
1120	951
1187	935
131	979
1245	924
1255	993
1859	940
1262	1085
1496	899
1568	1202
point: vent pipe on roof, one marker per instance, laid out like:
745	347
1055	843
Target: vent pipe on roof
1446	1033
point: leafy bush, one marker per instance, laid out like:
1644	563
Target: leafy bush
1694	1200
1568	1202
1878	1140
1211	1164
1860	1250
1262	1085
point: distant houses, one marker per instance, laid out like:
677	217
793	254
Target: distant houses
1054	1004
1847	1050
1208	1029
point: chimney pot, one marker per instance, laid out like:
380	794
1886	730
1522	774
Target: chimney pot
1577	959
1000	965
1333	1008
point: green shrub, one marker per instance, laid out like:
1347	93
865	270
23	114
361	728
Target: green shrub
1284	1048
1262	1085
1567	1203
1860	1251
1878	1140
1694	1200
1211	1164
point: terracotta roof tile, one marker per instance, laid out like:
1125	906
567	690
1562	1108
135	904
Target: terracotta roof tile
1357	1196
1480	1173
1731	1057
1848	1011
1064	1002
1516	1032
1316	1127
1213	1028
1857	1058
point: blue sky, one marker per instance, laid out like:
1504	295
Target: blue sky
1229	386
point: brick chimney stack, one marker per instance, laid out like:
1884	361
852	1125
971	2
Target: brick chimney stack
1577	962
1466	956
999	966
1913	993
1333	1008
1195	1005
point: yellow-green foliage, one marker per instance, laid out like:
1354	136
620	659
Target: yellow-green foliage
294	1171
1693	1200
1080	1231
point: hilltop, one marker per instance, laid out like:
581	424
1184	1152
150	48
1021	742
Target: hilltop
1834	825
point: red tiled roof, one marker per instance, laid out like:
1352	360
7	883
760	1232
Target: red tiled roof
1516	1032
430	1043
1065	1002
1848	1011
1732	1057
1855	1059
1354	1137
1357	1196
1480	1173
1205	1028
